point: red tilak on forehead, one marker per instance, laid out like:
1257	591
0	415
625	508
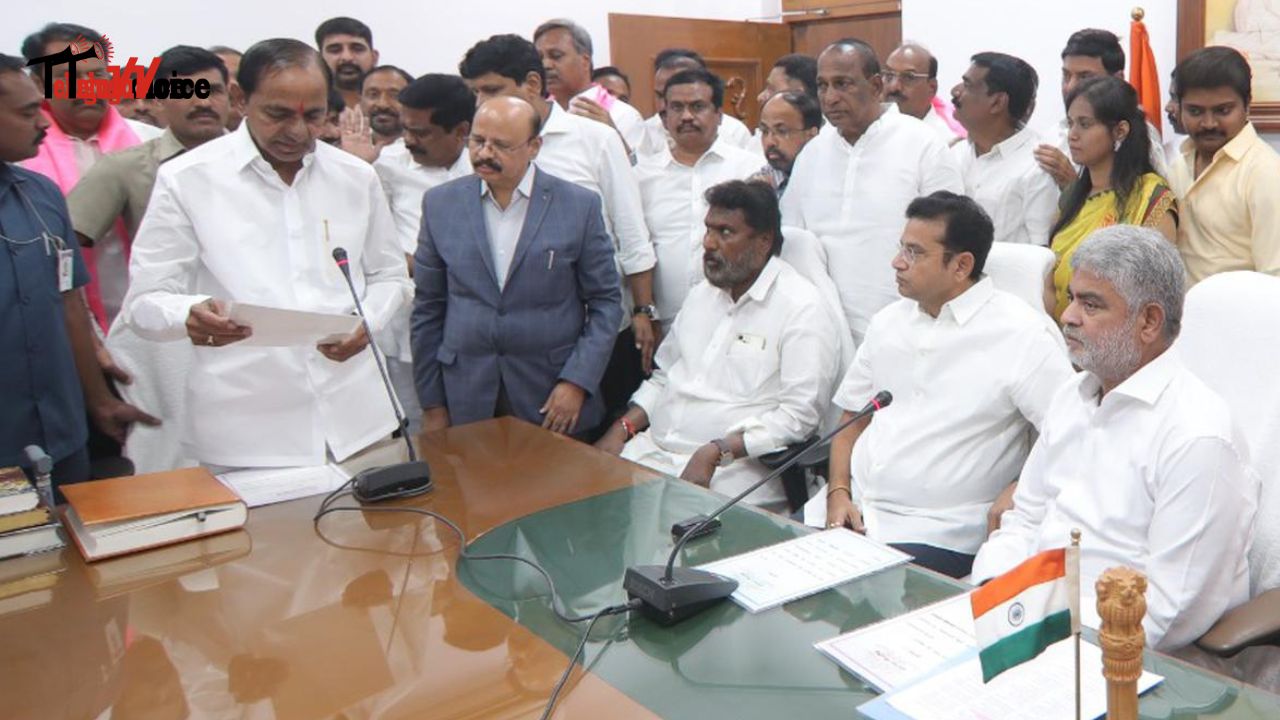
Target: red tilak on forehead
301	110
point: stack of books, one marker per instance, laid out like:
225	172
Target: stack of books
26	525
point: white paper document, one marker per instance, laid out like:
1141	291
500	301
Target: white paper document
272	485
1041	689
893	652
778	574
277	327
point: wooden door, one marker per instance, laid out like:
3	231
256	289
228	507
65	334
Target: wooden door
741	53
877	22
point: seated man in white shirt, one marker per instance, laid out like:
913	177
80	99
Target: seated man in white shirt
998	161
253	217
971	369
748	364
1135	452
656	137
673	183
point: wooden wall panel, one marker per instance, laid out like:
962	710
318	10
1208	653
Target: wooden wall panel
883	31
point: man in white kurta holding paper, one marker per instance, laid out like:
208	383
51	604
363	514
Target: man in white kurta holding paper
254	217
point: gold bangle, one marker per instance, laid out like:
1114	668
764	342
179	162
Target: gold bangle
838	488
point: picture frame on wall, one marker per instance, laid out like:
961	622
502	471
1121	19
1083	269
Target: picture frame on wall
1253	28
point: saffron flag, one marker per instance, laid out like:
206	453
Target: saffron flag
1019	614
1142	73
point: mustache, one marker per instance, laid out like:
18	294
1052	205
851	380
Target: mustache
347	65
773	154
41	136
491	164
383	111
202	112
1208	133
688	124
895	95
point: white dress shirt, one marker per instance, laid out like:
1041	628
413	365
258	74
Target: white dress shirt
503	225
222	224
590	154
764	365
1155	481
732	130
1020	197
855	197
144	131
936	123
405	181
627	120
968	388
674	209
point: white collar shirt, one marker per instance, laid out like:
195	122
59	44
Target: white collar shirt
591	155
1020	197
763	365
628	121
503	225
939	125
1153	478
222	224
969	386
674	209
405	181
855	197
732	130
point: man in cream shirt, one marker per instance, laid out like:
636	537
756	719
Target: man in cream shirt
1135	451
851	185
971	369
254	217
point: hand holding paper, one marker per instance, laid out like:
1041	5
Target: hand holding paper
277	327
208	323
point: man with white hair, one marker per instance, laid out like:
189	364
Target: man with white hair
1135	451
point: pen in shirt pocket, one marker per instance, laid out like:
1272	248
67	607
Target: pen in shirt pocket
551	258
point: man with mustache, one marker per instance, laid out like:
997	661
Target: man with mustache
254	217
852	184
517	302
997	161
379	101
749	362
117	189
1135	451
347	47
953	407
788	122
656	138
911	80
565	47
674	182
47	367
1225	178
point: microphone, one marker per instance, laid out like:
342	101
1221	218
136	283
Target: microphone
399	480
670	594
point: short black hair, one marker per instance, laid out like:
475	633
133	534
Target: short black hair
1101	44
336	102
866	54
969	229
805	104
800	67
677	57
187	60
1214	67
608	70
689	77
9	63
224	50
510	56
272	55
343	26
1012	76
446	96
34	44
385	68
758	202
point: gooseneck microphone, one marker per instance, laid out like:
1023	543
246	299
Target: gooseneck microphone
388	481
670	594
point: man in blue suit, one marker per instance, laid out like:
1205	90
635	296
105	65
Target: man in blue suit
517	301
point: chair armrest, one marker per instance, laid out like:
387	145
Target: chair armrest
778	458
1256	622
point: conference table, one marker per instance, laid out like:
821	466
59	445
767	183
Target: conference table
371	615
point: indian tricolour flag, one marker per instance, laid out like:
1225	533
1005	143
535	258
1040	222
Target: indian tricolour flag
1019	614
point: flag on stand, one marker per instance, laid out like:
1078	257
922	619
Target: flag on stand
1019	614
1142	73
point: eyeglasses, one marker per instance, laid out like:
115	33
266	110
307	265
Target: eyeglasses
782	133
910	254
697	108
477	143
906	78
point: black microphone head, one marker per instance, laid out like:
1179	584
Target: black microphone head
882	399
339	255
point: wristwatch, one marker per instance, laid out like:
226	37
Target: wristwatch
726	453
649	311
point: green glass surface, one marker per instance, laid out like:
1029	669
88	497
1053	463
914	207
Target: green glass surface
727	662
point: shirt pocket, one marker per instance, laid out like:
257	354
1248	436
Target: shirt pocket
748	363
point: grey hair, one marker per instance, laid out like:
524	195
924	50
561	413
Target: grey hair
1141	265
581	38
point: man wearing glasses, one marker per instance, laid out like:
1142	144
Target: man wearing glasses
788	121
517	300
911	80
923	474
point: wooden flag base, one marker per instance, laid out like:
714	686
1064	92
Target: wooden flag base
1122	604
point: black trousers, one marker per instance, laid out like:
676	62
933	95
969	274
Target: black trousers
622	376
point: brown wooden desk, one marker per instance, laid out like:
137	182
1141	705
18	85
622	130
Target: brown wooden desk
300	627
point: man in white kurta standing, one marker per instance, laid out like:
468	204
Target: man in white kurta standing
254	217
851	185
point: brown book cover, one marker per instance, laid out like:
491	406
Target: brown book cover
24	520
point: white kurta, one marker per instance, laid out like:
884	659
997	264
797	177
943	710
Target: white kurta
222	224
1154	479
1020	197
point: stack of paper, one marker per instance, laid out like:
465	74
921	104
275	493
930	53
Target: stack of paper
273	485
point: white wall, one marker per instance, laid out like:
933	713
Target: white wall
1034	31
422	36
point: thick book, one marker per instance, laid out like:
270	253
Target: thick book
39	538
17	494
38	515
121	515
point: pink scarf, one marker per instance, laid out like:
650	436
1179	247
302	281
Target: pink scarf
947	113
57	161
